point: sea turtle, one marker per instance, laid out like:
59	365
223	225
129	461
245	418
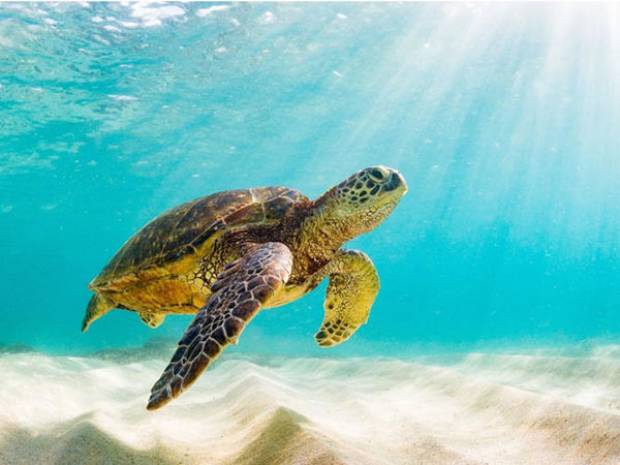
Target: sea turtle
227	255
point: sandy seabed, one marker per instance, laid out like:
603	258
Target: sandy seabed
534	408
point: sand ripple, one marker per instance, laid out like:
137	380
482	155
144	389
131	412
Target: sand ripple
480	408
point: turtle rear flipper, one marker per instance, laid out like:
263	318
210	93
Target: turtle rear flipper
97	307
152	320
239	292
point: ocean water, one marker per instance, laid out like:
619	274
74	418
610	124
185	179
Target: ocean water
503	118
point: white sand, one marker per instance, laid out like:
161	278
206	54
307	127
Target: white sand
535	409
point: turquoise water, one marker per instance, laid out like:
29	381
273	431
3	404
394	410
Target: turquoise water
505	120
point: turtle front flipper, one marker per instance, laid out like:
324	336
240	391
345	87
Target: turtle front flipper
239	292
353	286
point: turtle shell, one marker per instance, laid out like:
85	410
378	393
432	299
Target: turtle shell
176	238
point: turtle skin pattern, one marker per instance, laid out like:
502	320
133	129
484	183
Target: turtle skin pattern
239	292
353	287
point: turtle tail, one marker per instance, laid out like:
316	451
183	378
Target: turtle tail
97	307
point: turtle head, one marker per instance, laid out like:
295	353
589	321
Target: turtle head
361	202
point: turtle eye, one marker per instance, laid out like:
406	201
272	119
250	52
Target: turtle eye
379	174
